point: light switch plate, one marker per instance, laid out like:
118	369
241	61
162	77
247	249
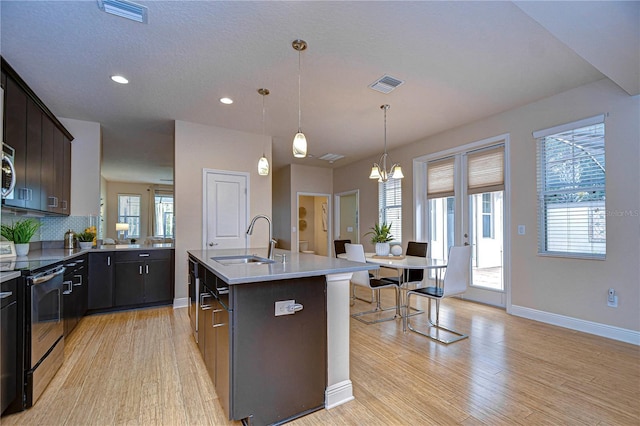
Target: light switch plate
521	229
281	307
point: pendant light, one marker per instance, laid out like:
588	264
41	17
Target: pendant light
299	141
379	170
263	162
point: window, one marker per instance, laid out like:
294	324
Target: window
487	215
163	215
390	205
129	212
571	189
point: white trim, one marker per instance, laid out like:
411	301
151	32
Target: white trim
598	329
569	126
338	394
182	302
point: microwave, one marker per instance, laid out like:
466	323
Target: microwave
8	172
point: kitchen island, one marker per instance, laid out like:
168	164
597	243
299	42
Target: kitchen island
281	330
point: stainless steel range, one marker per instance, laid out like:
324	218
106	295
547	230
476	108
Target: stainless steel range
44	332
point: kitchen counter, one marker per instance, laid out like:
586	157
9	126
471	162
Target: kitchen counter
297	265
42	258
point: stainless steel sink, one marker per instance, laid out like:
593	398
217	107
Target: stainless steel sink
249	259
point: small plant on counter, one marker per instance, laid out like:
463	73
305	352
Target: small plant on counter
21	231
85	236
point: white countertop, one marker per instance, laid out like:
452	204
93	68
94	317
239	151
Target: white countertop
297	265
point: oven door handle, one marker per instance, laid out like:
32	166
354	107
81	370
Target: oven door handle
48	275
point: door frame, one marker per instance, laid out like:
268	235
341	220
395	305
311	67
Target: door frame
329	221
336	212
206	172
421	205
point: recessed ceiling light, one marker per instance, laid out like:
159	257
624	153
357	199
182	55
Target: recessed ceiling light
226	101
119	79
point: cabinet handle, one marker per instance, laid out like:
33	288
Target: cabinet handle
64	203
213	319
140	269
147	268
54	203
108	260
79	283
204	306
67	283
143	255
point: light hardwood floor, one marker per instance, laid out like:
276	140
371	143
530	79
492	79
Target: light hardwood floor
143	368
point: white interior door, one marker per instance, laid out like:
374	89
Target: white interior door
225	209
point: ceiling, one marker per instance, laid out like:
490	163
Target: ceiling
460	62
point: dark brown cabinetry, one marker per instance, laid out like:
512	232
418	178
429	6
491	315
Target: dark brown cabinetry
74	294
101	283
42	149
143	277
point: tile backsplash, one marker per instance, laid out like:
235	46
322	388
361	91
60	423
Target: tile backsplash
53	227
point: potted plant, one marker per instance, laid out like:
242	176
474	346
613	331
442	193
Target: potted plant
20	233
381	236
85	239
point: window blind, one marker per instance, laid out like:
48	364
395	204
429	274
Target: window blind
571	190
485	170
390	205
440	178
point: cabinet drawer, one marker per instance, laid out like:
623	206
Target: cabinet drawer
142	255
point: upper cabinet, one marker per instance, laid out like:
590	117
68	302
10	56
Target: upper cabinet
42	145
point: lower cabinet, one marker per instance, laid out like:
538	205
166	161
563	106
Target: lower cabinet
74	292
130	278
101	280
143	277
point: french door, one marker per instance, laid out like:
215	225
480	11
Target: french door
465	205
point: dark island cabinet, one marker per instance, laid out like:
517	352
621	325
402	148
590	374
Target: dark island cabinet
101	280
143	277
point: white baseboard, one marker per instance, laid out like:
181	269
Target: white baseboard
603	330
338	394
183	302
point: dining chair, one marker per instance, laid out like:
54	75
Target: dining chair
355	253
455	282
338	247
414	248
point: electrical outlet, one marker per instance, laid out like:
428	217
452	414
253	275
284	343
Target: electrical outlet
282	307
521	229
612	298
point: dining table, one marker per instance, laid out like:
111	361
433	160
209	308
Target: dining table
402	263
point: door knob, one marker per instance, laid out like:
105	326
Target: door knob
213	244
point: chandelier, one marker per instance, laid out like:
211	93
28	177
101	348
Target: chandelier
379	170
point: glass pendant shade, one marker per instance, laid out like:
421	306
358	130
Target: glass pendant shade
299	145
263	166
396	173
375	172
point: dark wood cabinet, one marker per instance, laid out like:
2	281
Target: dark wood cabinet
143	277
42	149
15	135
100	281
74	292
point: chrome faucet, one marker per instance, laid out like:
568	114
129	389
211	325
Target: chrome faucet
272	242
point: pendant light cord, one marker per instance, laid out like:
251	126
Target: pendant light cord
299	86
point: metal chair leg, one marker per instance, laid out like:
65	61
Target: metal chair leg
436	325
379	309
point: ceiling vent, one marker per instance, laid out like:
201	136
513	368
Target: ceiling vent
124	9
385	84
331	157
